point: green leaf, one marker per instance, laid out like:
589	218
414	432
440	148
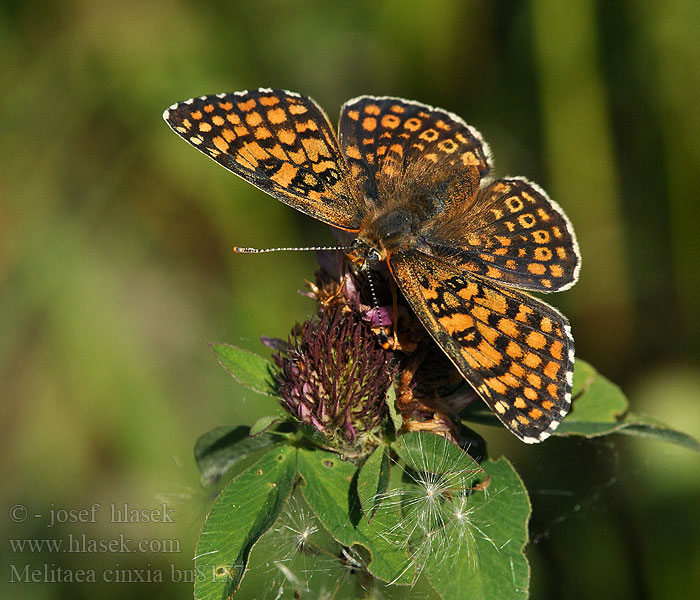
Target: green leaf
329	489
478	552
247	368
598	404
219	450
599	407
396	418
264	423
644	426
373	481
241	513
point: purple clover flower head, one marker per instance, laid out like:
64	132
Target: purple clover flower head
334	376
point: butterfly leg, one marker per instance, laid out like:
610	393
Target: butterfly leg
394	344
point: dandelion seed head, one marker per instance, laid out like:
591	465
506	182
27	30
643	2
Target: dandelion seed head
439	500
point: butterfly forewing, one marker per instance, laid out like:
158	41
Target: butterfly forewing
514	234
392	144
280	142
516	351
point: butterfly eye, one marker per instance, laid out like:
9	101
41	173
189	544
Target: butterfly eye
373	257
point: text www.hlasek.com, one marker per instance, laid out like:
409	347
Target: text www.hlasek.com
82	543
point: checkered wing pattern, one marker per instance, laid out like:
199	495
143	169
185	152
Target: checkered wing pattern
516	351
396	148
279	141
513	234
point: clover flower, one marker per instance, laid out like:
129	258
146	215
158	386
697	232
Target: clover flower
334	376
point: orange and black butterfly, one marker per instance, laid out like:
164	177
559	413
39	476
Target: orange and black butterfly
411	182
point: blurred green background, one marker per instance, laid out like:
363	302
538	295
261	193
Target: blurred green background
116	263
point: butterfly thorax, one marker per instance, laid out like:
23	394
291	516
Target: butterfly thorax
383	233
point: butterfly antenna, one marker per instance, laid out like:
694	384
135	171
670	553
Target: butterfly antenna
384	339
241	250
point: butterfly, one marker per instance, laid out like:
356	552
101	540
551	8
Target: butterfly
411	183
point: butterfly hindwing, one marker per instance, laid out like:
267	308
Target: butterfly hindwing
279	141
515	351
514	234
